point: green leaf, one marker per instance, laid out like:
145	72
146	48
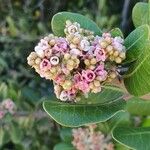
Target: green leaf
141	14
135	42
137	78
135	138
2	132
64	146
108	93
120	119
59	21
66	134
138	106
74	115
15	133
116	32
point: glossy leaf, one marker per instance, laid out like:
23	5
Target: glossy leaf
59	21
138	106
64	146
137	77
135	41
108	93
141	14
74	115
120	119
116	32
66	134
135	138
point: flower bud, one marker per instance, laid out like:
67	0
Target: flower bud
103	44
112	75
118	60
67	85
63	96
122	55
67	56
93	61
116	53
38	61
87	62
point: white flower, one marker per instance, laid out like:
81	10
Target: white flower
85	45
118	44
73	28
119	47
118	39
42	45
39	51
54	60
75	51
63	96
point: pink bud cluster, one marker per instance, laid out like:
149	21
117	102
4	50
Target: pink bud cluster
78	63
90	139
7	106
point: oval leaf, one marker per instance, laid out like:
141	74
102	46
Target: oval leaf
108	93
74	115
135	138
141	14
137	77
116	32
64	146
135	41
66	134
138	106
59	21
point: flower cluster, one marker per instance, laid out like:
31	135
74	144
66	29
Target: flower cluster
78	63
89	139
7	106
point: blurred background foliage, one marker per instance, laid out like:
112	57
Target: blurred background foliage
22	24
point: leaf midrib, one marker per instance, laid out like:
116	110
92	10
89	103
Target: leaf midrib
138	66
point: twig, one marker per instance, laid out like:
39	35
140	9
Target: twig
125	14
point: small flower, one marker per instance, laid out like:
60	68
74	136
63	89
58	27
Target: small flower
83	86
45	65
75	51
48	53
8	105
54	60
85	45
71	94
59	79
118	39
63	96
89	75
100	54
42	45
61	45
106	35
57	90
73	28
99	71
